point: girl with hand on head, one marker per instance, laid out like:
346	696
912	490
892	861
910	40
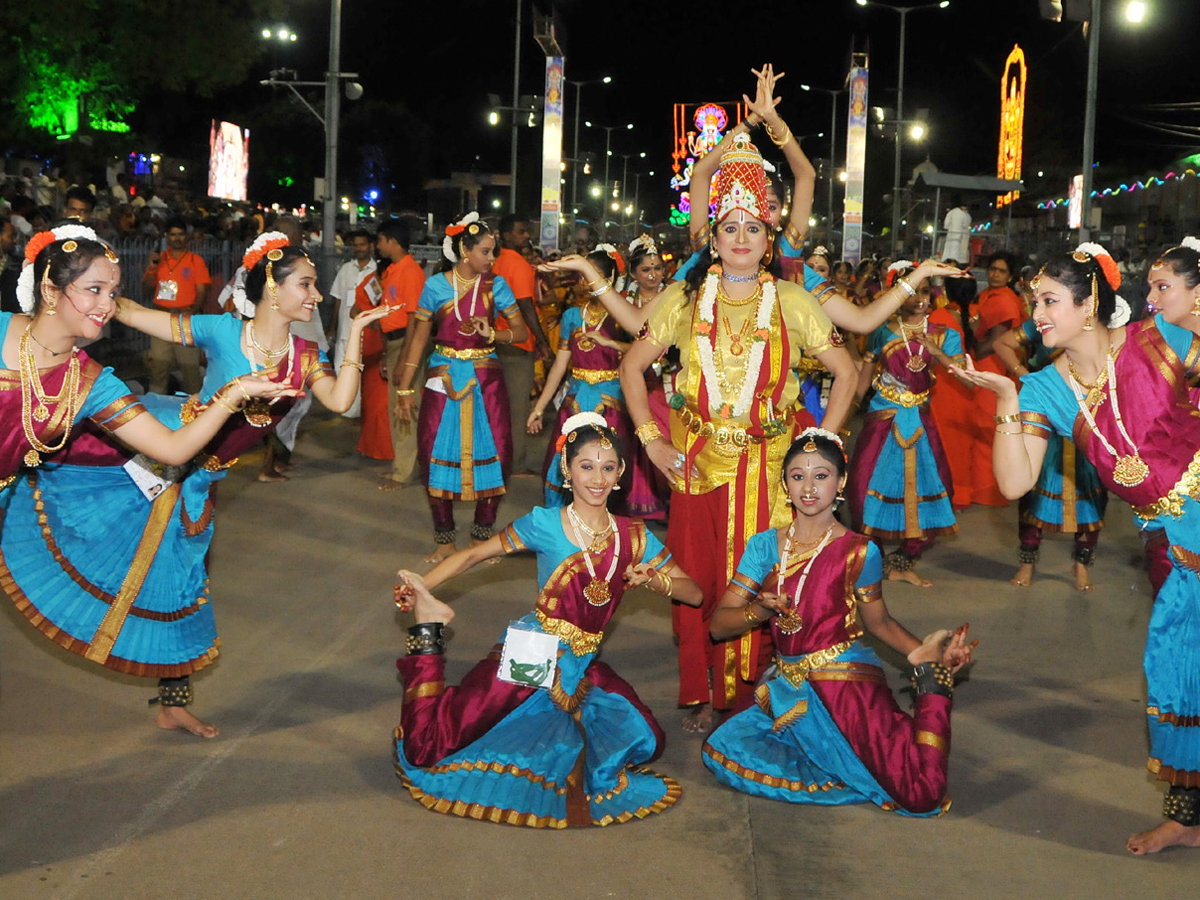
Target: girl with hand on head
583	734
1120	390
464	432
135	602
826	728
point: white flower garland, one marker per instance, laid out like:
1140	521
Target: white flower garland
580	419
762	321
448	241
25	279
1121	313
1191	243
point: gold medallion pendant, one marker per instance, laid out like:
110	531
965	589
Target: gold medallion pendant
40	413
257	413
586	344
915	363
789	621
597	592
466	328
33	459
1130	471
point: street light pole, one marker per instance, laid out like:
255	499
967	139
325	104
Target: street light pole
1089	122
608	130
899	136
333	103
576	165
516	98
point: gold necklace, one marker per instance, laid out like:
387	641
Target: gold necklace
789	621
598	538
1095	389
461	286
267	354
1129	470
736	337
915	361
31	382
723	297
597	592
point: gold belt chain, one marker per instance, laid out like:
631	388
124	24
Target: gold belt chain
905	398
797	672
581	642
595	376
471	353
1188	485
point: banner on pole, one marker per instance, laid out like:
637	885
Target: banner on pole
552	138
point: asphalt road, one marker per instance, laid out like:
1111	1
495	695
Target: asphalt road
297	797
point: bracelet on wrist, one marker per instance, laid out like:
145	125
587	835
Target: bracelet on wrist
648	432
537	413
908	288
350	362
406	392
1012	417
225	404
750	614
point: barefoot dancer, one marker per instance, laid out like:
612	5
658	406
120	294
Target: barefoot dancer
1122	396
565	755
464	433
826	729
87	555
900	480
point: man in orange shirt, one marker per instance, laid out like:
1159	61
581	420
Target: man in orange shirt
516	359
179	281
402	284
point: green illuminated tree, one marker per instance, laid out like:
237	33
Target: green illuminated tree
87	64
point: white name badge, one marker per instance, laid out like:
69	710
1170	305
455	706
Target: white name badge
374	290
436	384
167	290
530	657
141	470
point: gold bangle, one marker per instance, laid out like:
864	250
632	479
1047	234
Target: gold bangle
751	616
1009	433
665	590
229	408
406	392
350	362
537	413
605	287
903	282
648	432
413	364
242	388
776	141
1012	417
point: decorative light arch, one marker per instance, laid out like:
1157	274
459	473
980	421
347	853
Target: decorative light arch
1012	122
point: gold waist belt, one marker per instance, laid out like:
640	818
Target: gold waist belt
904	398
595	376
581	642
797	671
1188	485
471	353
731	436
808	365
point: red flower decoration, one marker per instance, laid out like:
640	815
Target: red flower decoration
455	230
560	443
1111	273
252	257
38	243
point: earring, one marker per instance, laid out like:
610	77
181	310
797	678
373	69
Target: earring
567	485
1196	306
766	260
1087	323
50	311
712	247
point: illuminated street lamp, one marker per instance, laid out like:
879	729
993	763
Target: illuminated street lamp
579	86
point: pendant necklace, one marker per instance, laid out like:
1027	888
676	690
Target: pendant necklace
789	621
31	381
464	328
915	362
597	592
258	411
1130	470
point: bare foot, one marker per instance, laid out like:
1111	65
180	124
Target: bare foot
1082	581
440	552
487	562
1024	575
172	717
1169	834
426	607
388	485
910	576
282	468
270	476
699	720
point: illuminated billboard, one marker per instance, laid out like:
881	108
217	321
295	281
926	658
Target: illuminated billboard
1012	122
228	160
698	128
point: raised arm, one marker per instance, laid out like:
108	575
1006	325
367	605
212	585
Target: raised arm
337	394
1008	350
623	312
865	319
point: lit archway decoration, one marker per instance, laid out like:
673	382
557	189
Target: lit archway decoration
698	129
1012	122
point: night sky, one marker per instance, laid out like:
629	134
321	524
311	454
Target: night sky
441	67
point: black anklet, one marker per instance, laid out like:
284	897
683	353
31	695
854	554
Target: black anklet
173	692
426	638
1182	805
481	532
898	561
444	537
1029	556
1085	555
932	678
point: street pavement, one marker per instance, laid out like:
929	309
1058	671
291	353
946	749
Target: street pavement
297	798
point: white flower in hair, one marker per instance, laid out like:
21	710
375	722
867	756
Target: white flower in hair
68	232
607	248
581	419
1191	243
448	240
1091	248
1121	313
25	288
76	232
900	265
821	432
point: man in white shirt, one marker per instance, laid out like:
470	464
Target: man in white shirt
958	233
349	277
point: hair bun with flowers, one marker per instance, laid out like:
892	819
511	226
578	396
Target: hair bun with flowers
643	242
263	244
612	253
1122	313
1191	243
577	421
453	231
38	243
895	269
1103	259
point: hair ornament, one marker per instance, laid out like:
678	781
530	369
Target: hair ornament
822	250
453	231
611	252
811	446
741	181
39	242
1121	313
643	242
1103	259
893	271
1191	243
813	431
266	244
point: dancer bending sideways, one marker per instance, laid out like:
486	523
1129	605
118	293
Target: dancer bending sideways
1120	392
901	483
542	736
464	429
93	551
826	728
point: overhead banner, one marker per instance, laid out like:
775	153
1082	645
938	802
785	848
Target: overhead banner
856	163
552	138
1012	122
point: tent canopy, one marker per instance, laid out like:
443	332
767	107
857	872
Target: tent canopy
983	183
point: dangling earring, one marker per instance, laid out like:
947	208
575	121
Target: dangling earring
50	310
1087	323
616	487
1196	306
272	257
766	260
712	247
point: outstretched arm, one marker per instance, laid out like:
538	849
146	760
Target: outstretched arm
154	322
337	394
865	319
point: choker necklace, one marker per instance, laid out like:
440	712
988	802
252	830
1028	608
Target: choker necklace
789	621
266	354
739	279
